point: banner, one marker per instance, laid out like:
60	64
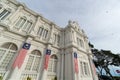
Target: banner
76	63
93	67
21	56
47	56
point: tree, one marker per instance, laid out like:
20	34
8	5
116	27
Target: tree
1	78
28	78
55	78
104	58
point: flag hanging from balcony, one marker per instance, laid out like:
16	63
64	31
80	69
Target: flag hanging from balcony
21	56
76	63
93	67
47	56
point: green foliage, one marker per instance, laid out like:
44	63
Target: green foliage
91	45
104	58
29	78
117	77
1	78
55	78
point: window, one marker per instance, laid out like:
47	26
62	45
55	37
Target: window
27	26
32	66
80	42
81	68
84	68
39	33
31	76
56	39
23	24
52	67
33	61
42	32
4	14
20	23
45	33
7	52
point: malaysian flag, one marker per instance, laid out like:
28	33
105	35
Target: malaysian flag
76	63
21	56
93	67
47	56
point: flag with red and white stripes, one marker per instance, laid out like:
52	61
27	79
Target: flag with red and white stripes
76	63
47	56
93	67
21	56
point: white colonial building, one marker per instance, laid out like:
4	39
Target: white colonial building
19	25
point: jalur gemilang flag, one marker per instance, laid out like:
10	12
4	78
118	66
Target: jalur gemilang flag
76	63
47	56
21	56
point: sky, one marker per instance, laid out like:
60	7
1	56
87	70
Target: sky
100	19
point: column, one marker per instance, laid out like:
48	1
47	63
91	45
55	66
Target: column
46	62
62	65
17	66
69	65
94	75
50	39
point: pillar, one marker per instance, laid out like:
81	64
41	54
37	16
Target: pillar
17	67
44	73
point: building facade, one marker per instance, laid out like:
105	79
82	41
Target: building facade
34	48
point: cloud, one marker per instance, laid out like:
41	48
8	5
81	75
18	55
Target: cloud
99	18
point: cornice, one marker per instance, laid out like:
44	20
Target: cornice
34	13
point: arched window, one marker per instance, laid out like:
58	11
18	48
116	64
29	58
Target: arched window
4	14
7	52
53	64
33	61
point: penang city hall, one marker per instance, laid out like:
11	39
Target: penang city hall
34	48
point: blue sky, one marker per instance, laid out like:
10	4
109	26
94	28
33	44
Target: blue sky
99	18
